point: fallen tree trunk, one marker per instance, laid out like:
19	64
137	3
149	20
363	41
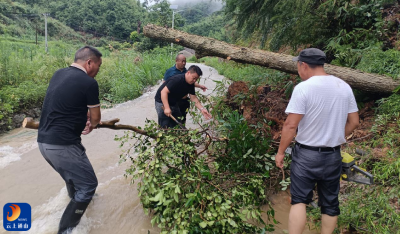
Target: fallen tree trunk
111	124
205	46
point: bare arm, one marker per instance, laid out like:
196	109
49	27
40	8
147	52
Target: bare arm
197	103
288	132
95	116
352	122
164	99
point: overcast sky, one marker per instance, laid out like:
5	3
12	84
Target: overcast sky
182	3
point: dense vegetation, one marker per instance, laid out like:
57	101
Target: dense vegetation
373	209
124	74
188	186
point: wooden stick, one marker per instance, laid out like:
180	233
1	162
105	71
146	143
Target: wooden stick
30	123
174	119
283	173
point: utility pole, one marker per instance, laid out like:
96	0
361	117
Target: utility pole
36	32
173	19
45	29
173	8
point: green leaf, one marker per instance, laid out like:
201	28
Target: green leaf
232	222
157	197
203	224
177	190
189	202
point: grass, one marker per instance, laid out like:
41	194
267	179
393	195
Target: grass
25	71
125	74
252	74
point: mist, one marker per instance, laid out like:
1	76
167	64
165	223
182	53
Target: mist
216	4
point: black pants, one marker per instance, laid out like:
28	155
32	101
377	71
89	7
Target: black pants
322	168
184	105
165	121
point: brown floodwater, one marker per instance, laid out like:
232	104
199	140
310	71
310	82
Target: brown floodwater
25	177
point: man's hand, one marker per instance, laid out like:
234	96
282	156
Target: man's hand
206	114
279	159
202	87
88	128
167	112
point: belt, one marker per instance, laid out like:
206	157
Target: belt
320	149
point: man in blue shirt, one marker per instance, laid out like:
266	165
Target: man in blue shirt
179	68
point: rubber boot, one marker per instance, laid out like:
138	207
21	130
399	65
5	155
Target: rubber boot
71	190
72	215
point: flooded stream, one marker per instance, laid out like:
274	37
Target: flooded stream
27	178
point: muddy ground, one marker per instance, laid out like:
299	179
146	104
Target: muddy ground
266	102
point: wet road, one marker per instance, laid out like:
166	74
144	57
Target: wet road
26	177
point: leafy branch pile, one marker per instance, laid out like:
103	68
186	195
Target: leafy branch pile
212	180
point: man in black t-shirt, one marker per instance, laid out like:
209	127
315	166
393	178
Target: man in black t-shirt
71	93
179	68
173	90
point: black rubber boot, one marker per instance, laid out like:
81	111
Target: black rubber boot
72	215
71	190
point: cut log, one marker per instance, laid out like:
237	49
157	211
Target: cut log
205	46
30	123
111	124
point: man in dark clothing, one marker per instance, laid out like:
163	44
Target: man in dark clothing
71	93
171	91
179	68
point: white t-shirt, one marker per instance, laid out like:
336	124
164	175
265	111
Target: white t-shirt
325	102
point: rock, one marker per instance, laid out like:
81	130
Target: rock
17	120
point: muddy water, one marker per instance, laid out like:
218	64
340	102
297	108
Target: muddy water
26	177
281	204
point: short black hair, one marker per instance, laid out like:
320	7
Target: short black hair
312	66
195	69
87	52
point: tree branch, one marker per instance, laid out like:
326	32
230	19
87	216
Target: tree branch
111	124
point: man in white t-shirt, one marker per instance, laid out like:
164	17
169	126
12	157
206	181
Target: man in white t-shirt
324	111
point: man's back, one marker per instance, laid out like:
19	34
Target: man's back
64	112
325	102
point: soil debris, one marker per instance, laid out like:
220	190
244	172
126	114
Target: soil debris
266	105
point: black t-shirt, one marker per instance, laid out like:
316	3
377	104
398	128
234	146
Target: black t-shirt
64	111
178	88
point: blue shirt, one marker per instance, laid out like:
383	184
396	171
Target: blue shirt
173	71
